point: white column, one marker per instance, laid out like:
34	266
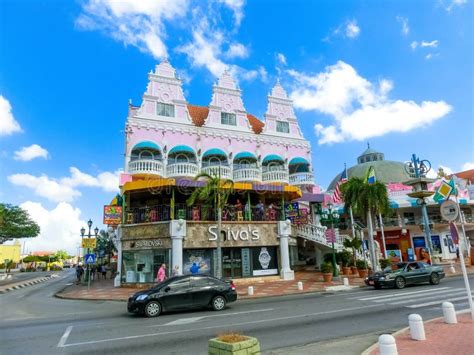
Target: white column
284	231
118	245
177	233
319	257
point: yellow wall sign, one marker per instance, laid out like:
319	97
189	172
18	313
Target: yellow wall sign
88	242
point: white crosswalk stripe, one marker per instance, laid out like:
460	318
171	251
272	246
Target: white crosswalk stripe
420	298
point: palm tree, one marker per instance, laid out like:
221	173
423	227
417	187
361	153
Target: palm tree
366	199
355	244
215	192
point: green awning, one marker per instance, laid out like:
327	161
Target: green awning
182	149
272	157
245	155
298	160
214	151
147	144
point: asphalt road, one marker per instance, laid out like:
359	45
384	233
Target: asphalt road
33	321
24	276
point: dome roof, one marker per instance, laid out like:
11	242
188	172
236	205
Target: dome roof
385	171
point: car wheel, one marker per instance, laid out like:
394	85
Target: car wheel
434	278
218	303
400	282
377	287
153	309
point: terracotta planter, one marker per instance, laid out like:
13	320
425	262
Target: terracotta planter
327	277
363	273
346	270
354	270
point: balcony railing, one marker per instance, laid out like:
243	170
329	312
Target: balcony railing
247	174
181	169
213	170
280	176
301	179
145	166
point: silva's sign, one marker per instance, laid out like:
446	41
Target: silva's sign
235	234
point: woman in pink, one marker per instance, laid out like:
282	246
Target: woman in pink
161	275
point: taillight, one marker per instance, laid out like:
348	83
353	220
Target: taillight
232	286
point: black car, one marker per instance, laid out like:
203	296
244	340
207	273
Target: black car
406	274
182	293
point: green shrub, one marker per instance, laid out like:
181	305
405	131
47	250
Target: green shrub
361	264
385	263
326	268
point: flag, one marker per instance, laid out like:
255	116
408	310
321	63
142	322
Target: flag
371	179
444	190
337	195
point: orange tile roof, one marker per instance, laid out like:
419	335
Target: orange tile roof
200	113
467	175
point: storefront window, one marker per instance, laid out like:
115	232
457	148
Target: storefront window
197	261
264	261
142	266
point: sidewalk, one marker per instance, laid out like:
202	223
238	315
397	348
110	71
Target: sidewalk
441	339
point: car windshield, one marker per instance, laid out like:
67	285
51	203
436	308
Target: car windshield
401	266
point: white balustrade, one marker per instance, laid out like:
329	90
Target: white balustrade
302	179
145	166
317	234
181	169
213	170
275	175
247	174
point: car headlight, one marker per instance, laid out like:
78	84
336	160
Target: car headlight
387	277
382	278
141	297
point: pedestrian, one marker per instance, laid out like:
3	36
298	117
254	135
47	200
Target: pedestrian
175	271
79	272
93	272
161	275
103	270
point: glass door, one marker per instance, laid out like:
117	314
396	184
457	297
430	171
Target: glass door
231	262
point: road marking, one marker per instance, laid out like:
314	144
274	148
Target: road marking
425	298
182	321
62	341
400	294
216	326
424	295
437	302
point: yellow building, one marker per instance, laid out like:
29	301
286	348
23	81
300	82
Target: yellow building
10	252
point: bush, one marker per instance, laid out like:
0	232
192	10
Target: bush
326	268
344	257
385	263
361	264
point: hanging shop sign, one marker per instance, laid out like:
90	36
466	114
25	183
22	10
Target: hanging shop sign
236	233
246	269
88	243
112	215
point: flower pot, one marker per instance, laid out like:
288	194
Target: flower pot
354	270
248	346
363	273
327	277
346	270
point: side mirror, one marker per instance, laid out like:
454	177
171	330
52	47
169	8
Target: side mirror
167	289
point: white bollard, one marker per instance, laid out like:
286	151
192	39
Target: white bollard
387	345
417	328
452	269
250	291
346	281
449	313
300	286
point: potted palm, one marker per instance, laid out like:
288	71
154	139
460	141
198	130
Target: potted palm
362	268
355	244
345	257
326	269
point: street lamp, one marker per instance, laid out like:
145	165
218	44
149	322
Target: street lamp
88	235
332	217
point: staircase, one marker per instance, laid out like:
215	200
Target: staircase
317	234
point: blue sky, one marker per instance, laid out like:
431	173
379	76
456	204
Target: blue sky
397	74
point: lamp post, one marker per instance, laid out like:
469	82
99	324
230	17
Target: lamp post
417	169
331	217
89	235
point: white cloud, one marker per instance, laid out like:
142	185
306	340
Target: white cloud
352	30
8	124
66	189
137	23
359	108
237	50
31	152
281	59
413	45
452	4
467	166
432	44
431	55
404	22
237	7
59	227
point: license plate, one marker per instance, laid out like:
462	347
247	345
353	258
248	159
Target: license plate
371	282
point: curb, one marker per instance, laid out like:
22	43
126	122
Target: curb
28	283
400	331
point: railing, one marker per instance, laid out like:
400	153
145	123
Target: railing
247	174
145	166
181	169
317	234
275	176
301	179
213	170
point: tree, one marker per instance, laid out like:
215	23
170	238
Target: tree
62	255
355	244
215	192
365	200
105	243
15	223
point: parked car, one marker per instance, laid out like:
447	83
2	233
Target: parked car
183	293
406	274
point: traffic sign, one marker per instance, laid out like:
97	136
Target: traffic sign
88	243
449	210
89	258
330	235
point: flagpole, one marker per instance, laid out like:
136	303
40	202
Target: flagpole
383	236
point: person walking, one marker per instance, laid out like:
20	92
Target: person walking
161	275
79	272
175	271
103	271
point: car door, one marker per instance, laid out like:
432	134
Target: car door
177	294
424	272
411	273
202	291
